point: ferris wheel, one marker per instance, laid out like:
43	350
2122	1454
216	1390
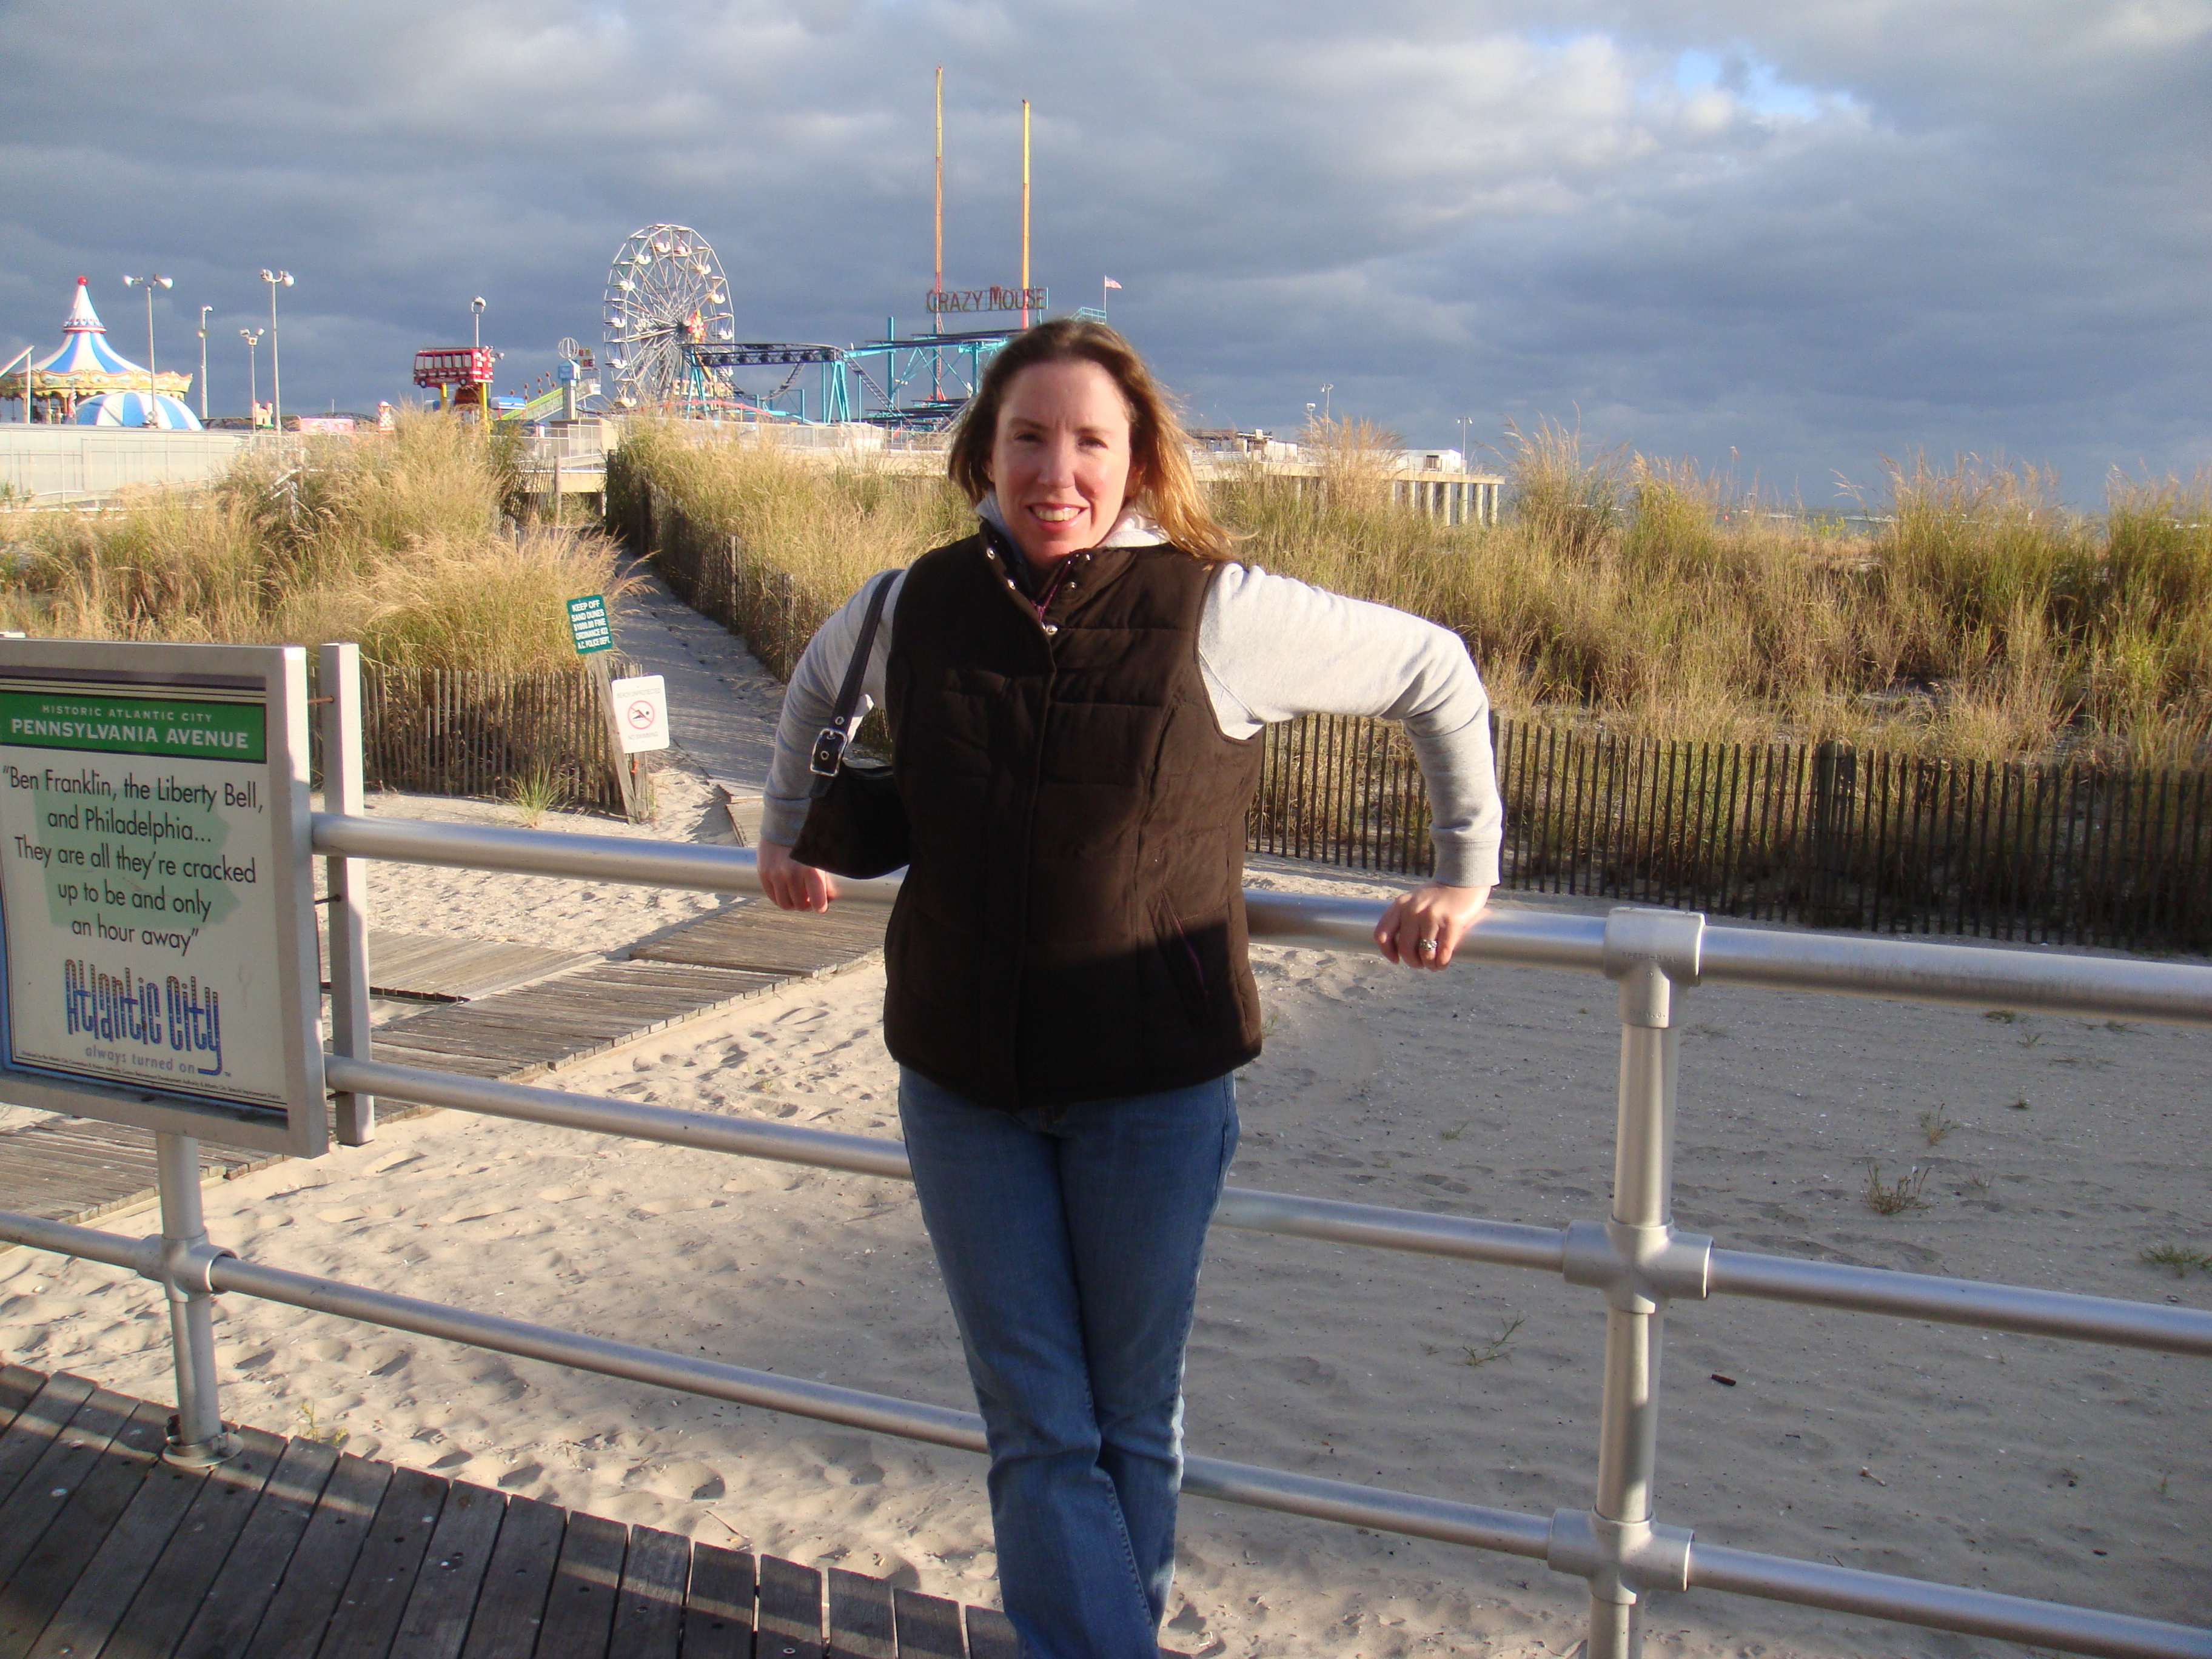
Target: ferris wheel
664	288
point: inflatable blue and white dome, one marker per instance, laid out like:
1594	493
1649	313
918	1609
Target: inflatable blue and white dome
137	408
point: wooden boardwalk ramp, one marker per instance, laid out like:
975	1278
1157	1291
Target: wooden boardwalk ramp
76	1170
295	1550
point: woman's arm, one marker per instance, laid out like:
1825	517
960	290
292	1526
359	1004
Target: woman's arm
810	701
1273	648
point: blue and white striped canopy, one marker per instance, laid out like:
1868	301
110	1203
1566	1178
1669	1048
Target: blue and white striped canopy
84	362
130	409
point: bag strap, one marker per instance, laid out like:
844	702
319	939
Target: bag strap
829	744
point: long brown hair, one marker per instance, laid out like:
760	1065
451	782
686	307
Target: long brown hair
1161	480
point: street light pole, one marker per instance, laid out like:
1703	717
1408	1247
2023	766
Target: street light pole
476	362
24	357
275	279
204	317
253	338
150	284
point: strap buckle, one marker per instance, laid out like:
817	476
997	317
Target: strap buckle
829	751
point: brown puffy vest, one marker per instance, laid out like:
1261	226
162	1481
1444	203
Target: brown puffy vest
1072	924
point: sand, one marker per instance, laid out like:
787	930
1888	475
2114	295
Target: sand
2024	1465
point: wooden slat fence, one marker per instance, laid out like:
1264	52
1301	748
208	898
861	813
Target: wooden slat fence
2056	854
710	571
444	732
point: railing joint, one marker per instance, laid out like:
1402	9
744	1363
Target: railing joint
182	1267
1639	1268
1649	953
1623	1561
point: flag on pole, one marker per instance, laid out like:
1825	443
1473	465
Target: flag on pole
1110	283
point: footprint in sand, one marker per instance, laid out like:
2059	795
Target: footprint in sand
686	1479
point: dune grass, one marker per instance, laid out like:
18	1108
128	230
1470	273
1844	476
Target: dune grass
403	544
1981	620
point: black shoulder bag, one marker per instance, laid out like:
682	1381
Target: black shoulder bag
856	824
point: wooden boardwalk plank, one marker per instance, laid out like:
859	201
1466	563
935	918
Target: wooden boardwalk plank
510	1607
291	1551
789	1613
173	1590
47	1574
453	1573
242	1591
521	1033
928	1626
71	1457
860	1625
19	1387
649	1612
72	1170
35	1426
718	1618
991	1635
384	1573
378	1589
95	1603
755	934
579	1612
451	970
322	1562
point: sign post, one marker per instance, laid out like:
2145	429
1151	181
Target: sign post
157	950
345	886
593	635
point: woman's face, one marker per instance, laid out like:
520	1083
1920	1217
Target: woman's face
1060	462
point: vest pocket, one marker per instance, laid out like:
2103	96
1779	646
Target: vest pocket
1186	970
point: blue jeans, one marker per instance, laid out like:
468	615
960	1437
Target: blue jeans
1069	1239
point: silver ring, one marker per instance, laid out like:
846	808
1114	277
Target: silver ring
1428	947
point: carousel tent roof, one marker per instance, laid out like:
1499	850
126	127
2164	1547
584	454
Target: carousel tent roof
85	363
130	409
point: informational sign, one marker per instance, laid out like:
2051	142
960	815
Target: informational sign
994	298
589	625
640	713
155	895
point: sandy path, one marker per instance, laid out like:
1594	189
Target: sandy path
2034	1466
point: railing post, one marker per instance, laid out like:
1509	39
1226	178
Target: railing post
197	1436
1651	954
347	880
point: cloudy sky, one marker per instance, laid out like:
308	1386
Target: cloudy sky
1791	238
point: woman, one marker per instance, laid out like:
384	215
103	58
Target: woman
1073	694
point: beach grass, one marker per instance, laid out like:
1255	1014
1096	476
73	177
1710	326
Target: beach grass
406	543
1976	618
1896	1196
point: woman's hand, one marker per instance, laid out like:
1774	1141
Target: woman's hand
1421	928
795	886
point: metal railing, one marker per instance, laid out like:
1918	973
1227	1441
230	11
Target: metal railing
1635	1259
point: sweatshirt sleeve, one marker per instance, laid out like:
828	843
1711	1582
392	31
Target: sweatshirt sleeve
1273	648
810	699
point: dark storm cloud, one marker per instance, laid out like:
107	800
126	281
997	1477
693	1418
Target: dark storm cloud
1809	236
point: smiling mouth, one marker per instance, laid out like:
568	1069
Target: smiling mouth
1056	515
